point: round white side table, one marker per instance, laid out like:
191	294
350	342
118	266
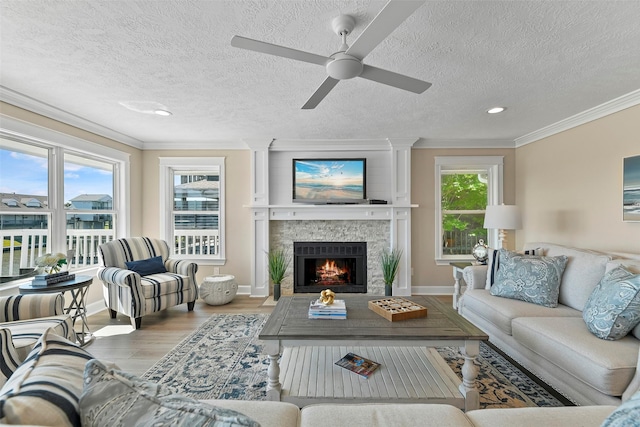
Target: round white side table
218	289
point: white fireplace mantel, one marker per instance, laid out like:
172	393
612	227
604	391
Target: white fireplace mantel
397	213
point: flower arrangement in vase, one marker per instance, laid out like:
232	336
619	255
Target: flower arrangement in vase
51	263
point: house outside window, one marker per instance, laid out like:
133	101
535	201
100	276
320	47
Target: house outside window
192	193
57	197
465	185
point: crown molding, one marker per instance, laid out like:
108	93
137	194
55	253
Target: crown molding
618	104
201	145
464	143
25	102
330	144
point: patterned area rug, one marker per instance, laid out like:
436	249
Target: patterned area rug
223	359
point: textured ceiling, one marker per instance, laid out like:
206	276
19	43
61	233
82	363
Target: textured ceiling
544	60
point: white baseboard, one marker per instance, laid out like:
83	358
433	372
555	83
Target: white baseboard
95	307
432	290
244	290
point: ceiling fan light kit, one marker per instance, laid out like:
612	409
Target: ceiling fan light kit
344	66
347	62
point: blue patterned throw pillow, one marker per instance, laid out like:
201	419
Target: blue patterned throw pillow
625	415
115	398
613	308
534	279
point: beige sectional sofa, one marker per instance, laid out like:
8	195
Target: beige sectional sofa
61	384
280	414
555	343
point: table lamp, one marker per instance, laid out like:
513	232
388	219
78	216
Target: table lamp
502	217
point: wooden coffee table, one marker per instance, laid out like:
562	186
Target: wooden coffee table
302	354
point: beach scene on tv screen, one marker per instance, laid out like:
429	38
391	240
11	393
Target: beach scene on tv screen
329	179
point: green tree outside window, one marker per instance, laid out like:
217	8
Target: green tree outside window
464	199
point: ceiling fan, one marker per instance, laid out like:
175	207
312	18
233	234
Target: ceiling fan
347	62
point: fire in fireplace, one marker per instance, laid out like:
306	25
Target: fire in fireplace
339	266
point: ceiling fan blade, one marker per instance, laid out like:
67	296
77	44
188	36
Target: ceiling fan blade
272	49
390	17
394	79
320	93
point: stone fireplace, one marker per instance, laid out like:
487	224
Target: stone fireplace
375	235
278	222
339	266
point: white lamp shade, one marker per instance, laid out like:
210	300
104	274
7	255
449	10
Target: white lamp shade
505	217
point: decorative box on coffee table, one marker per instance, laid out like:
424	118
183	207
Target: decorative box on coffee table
396	308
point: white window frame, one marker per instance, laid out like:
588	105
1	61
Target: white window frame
197	164
493	165
58	144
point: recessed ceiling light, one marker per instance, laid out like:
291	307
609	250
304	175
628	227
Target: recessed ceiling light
146	107
496	110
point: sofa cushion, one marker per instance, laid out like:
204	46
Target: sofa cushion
268	414
383	415
626	415
536	417
581	275
607	366
145	267
534	279
156	285
112	397
45	389
613	309
501	311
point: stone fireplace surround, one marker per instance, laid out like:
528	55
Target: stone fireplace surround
277	222
374	233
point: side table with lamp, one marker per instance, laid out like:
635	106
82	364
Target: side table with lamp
497	217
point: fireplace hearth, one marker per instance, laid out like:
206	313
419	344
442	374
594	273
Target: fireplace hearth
339	266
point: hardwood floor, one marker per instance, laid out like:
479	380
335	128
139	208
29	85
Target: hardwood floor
135	351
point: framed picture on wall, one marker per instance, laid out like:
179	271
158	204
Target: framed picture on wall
631	189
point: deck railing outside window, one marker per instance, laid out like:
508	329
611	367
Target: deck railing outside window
22	247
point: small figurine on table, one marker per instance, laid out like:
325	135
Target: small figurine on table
327	296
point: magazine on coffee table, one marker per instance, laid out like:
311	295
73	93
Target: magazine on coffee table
358	364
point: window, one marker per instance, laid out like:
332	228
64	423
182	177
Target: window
464	187
58	194
88	203
192	195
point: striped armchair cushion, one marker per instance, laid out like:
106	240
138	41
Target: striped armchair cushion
46	388
27	332
10	359
23	307
23	319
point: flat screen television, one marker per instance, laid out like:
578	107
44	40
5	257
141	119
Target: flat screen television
329	181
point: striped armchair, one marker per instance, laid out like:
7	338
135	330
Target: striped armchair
136	295
23	319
